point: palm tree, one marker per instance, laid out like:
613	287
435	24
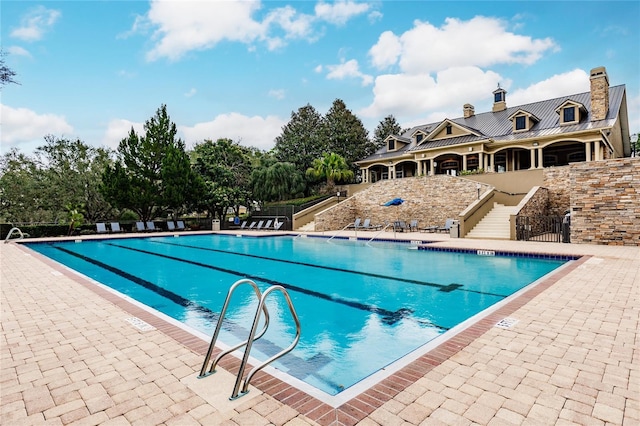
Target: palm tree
331	167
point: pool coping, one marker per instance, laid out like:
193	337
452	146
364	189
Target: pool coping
358	407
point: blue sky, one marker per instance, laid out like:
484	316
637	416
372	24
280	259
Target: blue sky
238	69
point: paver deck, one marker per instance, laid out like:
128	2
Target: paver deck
69	356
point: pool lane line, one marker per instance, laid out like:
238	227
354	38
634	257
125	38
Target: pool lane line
441	287
388	317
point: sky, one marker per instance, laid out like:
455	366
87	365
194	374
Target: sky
93	70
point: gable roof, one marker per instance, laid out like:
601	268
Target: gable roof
497	126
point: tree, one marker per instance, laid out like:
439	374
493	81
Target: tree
73	172
225	169
301	140
344	134
150	170
388	126
20	189
276	181
6	73
331	167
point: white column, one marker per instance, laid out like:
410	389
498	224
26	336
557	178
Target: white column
587	153
492	163
597	147
540	159
481	160
533	158
464	162
432	171
390	170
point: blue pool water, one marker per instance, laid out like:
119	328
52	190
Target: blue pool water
361	307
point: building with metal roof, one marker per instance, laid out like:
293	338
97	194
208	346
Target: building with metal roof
586	126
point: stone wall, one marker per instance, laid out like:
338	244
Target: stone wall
428	199
558	182
534	206
605	202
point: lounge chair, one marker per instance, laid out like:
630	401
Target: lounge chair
115	227
368	226
244	225
400	226
180	225
413	225
253	225
267	225
446	227
101	228
259	227
140	226
277	225
356	224
429	229
151	226
171	226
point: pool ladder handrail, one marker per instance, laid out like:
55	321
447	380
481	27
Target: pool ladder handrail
382	230
252	337
7	239
352	224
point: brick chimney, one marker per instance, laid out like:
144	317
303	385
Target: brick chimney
468	110
599	93
499	99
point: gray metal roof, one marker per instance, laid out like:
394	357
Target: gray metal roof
498	127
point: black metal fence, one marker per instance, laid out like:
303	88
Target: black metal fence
553	229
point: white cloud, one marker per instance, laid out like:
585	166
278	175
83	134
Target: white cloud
277	93
22	126
349	69
256	131
480	41
35	23
416	94
374	16
118	129
186	26
190	93
341	11
569	83
18	51
386	51
181	27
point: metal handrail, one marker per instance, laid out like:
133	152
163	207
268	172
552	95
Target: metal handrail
382	230
6	240
245	389
203	372
348	226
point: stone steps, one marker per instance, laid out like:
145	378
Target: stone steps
495	225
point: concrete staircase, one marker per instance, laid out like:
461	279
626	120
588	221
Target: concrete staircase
495	225
309	227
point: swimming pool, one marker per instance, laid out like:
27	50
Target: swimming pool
362	307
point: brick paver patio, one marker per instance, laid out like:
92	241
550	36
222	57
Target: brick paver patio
69	356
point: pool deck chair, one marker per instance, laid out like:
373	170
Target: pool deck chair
244	225
115	227
101	228
277	225
267	225
400	226
180	225
151	226
429	229
446	227
366	225
413	225
140	227
259	227
171	226
253	225
356	224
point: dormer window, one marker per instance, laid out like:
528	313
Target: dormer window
569	114
391	144
521	122
419	137
449	129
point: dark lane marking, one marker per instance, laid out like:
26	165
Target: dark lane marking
388	317
441	287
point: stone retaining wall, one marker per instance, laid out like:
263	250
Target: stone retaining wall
605	202
428	199
558	182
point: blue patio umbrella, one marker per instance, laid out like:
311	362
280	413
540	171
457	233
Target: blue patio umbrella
394	202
